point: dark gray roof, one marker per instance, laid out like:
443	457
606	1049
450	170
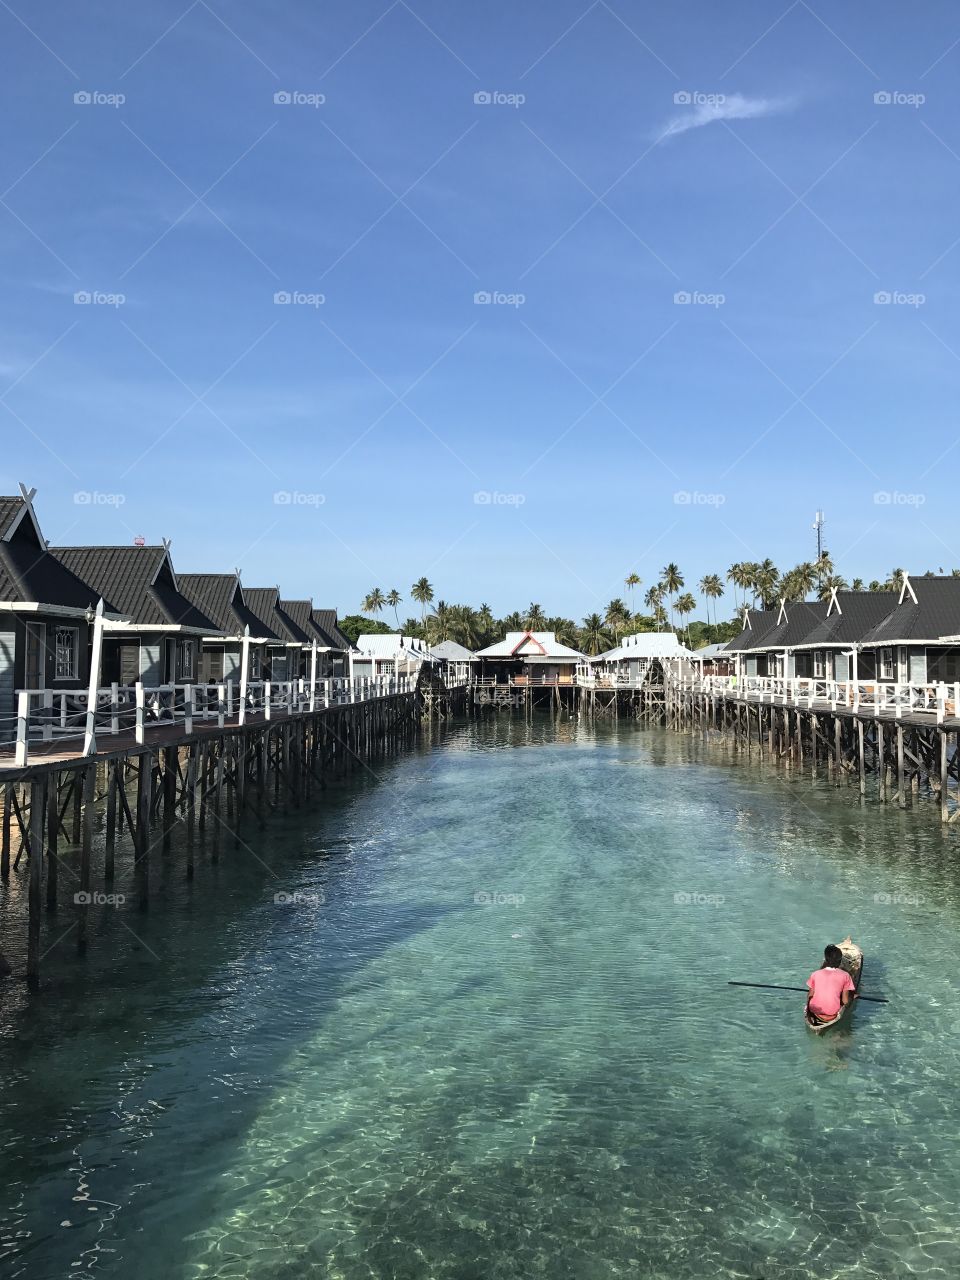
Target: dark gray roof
325	620
800	618
265	603
296	614
9	509
761	621
30	573
220	597
138	582
860	611
935	614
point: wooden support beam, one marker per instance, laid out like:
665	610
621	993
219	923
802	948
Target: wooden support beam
38	803
114	773
53	832
142	837
88	794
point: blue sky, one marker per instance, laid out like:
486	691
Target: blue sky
628	153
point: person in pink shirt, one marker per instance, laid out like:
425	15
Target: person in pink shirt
830	987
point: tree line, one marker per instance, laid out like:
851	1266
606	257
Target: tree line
668	602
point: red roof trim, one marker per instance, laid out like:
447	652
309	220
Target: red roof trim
528	635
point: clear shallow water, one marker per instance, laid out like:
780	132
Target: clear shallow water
391	1078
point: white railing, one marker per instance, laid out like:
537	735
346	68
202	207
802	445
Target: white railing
61	715
882	697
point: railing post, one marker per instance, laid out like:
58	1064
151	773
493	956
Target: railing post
229	699
23	717
139	695
941	702
221	704
266	699
326	692
47	717
187	707
114	708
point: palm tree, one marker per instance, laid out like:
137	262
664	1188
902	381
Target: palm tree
486	623
895	581
630	581
394	598
685	604
440	624
654	602
465	623
671	579
828	584
565	629
712	588
737	574
373	601
593	638
765	581
823	566
857	585
804	577
535	619
617	616
422	592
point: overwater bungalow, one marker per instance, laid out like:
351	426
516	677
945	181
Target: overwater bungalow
530	657
389	655
643	656
46	612
457	662
918	642
159	638
220	597
910	639
335	654
282	655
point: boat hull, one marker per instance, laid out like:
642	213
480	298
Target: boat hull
853	963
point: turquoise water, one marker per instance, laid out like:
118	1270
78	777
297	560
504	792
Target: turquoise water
387	1077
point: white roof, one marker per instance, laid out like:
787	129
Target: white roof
450	651
531	645
647	644
403	648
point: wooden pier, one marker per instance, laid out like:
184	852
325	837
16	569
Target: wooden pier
217	780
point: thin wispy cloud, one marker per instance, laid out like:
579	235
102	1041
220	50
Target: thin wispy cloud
710	108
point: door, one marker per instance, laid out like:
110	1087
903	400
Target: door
34	671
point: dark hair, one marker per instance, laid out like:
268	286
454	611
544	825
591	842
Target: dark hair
832	957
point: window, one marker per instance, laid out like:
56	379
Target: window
886	664
66	650
944	666
819	666
255	664
185	658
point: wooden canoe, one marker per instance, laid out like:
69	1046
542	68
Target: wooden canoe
853	963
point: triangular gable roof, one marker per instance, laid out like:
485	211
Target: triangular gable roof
29	572
139	581
528	637
930	611
325	620
220	597
551	648
298	616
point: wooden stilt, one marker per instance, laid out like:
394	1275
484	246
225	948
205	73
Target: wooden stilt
38	800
